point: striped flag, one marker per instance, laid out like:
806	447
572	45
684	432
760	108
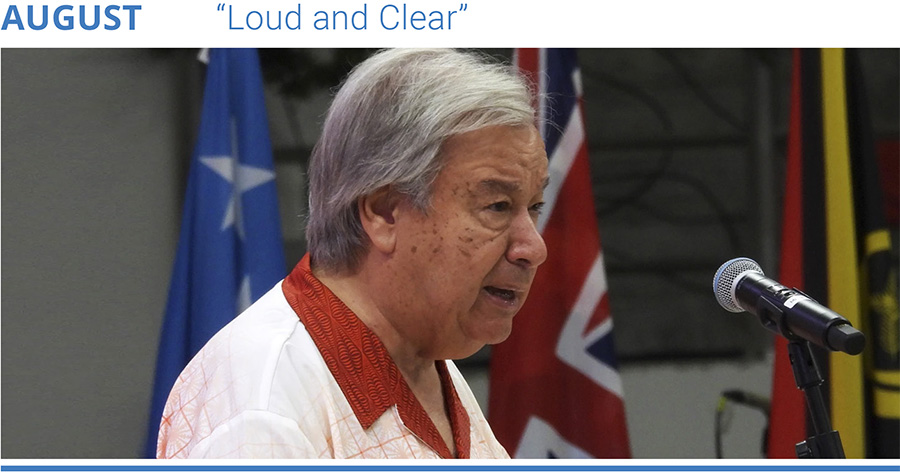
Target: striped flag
555	388
836	248
230	250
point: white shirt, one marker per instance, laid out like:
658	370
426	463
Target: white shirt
298	375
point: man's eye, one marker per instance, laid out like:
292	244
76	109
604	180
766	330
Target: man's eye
537	208
499	206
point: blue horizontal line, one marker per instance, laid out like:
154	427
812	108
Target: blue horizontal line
450	468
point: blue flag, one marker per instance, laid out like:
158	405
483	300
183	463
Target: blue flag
230	248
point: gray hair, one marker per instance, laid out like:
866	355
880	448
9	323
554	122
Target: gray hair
386	127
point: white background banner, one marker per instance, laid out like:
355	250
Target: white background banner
456	23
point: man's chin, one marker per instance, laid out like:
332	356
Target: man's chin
497	333
475	345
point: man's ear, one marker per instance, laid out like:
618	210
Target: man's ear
377	213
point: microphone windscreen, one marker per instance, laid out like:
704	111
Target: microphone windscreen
723	281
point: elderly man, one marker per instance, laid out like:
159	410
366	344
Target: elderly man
425	189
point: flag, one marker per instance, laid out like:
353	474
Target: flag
230	249
555	388
836	248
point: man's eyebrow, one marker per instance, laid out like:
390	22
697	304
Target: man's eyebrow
494	185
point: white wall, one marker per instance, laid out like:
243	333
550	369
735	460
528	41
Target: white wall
671	407
91	164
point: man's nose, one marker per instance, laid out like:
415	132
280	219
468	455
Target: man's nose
526	246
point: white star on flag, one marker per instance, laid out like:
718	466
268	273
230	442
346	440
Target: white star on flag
243	296
244	180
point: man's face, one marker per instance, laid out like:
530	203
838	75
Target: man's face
469	260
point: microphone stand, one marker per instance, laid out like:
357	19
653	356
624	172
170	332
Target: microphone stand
826	443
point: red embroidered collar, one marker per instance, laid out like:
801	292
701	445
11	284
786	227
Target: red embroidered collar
362	367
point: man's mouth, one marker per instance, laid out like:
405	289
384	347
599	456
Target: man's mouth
504	294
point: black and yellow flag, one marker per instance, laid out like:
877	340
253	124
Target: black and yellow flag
878	277
836	247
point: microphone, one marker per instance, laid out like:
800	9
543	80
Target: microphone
740	285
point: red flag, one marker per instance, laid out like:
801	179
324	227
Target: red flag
555	387
788	409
